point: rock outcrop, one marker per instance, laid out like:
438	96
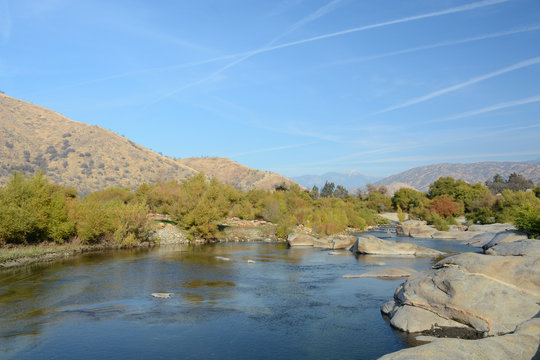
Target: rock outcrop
371	245
521	344
505	237
490	294
337	242
415	228
527	247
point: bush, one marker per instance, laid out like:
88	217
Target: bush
528	220
32	211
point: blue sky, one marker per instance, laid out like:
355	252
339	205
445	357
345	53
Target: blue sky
292	86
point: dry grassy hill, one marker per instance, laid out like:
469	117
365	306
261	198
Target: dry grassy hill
231	172
91	158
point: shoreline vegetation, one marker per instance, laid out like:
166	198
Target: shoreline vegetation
40	221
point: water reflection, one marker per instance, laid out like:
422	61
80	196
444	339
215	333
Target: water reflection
290	303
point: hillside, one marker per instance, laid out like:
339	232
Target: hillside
421	177
236	174
350	180
91	158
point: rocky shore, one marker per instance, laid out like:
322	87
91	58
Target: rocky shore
495	295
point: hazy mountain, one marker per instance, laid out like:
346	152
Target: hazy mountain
421	177
90	158
350	180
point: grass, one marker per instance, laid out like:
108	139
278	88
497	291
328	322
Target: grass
8	254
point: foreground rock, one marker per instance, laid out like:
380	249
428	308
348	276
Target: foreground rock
520	345
371	245
388	273
490	294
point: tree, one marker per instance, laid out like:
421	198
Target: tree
407	198
341	192
515	182
328	190
444	206
314	193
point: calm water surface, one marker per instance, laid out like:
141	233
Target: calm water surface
290	304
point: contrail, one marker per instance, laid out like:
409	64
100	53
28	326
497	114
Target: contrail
472	81
441	44
245	55
499	106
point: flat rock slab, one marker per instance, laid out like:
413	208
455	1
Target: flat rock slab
453	235
371	245
492	227
520	345
528	247
388	273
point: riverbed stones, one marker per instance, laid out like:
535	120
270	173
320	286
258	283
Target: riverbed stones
490	294
297	239
170	235
387	273
371	245
520	345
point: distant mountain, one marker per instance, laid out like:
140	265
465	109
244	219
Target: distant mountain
350	180
91	158
421	177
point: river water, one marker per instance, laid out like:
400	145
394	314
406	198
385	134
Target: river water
289	304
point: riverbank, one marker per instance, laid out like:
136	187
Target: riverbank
22	255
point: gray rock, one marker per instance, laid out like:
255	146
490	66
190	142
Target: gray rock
505	237
415	228
161	295
519	345
415	319
371	245
453	235
528	247
491	294
388	273
492	227
296	239
481	238
343	241
325	243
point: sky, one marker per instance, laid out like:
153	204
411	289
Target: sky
292	86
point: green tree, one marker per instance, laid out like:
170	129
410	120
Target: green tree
528	220
328	189
341	192
32	210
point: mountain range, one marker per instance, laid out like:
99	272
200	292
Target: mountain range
421	177
90	158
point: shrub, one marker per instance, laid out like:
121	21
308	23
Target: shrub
32	210
528	220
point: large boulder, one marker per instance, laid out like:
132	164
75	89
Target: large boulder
527	247
371	245
520	345
453	235
481	238
415	228
325	243
343	241
490	294
505	237
296	239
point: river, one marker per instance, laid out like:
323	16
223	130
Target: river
289	304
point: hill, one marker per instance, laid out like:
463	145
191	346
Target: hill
421	177
236	174
350	180
91	158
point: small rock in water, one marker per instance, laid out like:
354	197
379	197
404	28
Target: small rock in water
333	253
162	295
251	261
223	258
